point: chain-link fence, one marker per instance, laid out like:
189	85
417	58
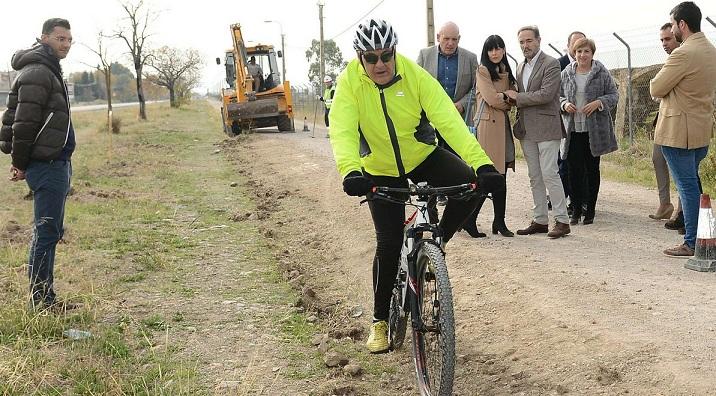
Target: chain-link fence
633	57
306	105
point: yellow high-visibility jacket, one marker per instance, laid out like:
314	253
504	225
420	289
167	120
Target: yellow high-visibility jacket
387	130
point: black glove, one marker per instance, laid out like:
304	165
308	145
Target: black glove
357	185
489	179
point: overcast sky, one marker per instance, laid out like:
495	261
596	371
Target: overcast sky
205	24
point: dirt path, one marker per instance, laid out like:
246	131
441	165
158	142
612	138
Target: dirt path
599	312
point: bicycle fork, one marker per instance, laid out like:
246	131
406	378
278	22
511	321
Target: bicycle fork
409	271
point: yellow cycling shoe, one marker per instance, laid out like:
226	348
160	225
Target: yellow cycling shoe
378	338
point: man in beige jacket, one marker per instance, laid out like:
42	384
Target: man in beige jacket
686	85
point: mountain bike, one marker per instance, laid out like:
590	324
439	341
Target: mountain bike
422	288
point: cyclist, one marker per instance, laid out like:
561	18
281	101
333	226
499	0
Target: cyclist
381	134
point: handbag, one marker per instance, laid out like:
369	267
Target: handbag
473	128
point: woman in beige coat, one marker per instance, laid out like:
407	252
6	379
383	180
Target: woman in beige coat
494	77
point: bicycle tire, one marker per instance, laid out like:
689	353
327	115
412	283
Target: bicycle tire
434	352
397	318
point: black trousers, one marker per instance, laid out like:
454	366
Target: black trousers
441	168
499	204
325	116
583	169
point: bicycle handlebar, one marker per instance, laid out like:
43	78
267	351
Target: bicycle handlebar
459	192
415	189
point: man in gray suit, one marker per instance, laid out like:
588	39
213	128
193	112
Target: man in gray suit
539	129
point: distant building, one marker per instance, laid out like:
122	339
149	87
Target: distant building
6	79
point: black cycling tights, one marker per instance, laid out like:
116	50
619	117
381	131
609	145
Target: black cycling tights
441	168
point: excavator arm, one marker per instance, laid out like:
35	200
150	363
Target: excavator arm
243	79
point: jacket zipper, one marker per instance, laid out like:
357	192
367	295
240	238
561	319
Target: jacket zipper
69	114
393	136
47	121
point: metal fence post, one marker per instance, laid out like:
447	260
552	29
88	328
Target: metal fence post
556	50
711	21
513	59
629	87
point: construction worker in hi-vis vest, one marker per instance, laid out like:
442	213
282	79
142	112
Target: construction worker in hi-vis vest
328	94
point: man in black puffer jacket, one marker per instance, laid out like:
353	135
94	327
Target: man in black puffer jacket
37	131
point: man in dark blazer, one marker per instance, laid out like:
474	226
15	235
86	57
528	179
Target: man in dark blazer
567	58
454	67
539	129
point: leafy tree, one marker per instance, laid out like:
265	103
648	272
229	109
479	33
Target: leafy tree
176	70
332	56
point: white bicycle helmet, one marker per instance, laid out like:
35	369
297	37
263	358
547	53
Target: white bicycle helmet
327	79
374	34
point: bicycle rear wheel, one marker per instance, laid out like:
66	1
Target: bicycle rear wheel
434	347
397	317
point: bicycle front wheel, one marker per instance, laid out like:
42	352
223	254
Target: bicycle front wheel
434	345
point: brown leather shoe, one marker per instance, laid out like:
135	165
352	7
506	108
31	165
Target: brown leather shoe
682	250
663	213
533	228
559	230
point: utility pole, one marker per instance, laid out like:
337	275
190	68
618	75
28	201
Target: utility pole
322	69
283	50
431	23
283	55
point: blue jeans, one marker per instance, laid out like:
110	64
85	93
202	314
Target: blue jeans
684	168
50	183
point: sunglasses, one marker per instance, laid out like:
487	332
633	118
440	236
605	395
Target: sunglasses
372	58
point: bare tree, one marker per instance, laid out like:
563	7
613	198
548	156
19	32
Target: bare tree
177	71
104	66
135	36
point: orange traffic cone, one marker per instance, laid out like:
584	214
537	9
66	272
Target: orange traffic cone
704	259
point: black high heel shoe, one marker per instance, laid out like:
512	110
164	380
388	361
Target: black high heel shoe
501	227
471	229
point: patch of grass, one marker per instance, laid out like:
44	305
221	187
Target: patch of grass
178	317
155	322
137	277
113	344
87	381
295	328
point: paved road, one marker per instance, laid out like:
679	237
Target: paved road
114	105
103	106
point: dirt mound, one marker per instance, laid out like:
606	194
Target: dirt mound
12	232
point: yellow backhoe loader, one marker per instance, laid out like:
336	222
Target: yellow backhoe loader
261	100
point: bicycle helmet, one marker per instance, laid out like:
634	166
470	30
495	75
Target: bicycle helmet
374	34
327	79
